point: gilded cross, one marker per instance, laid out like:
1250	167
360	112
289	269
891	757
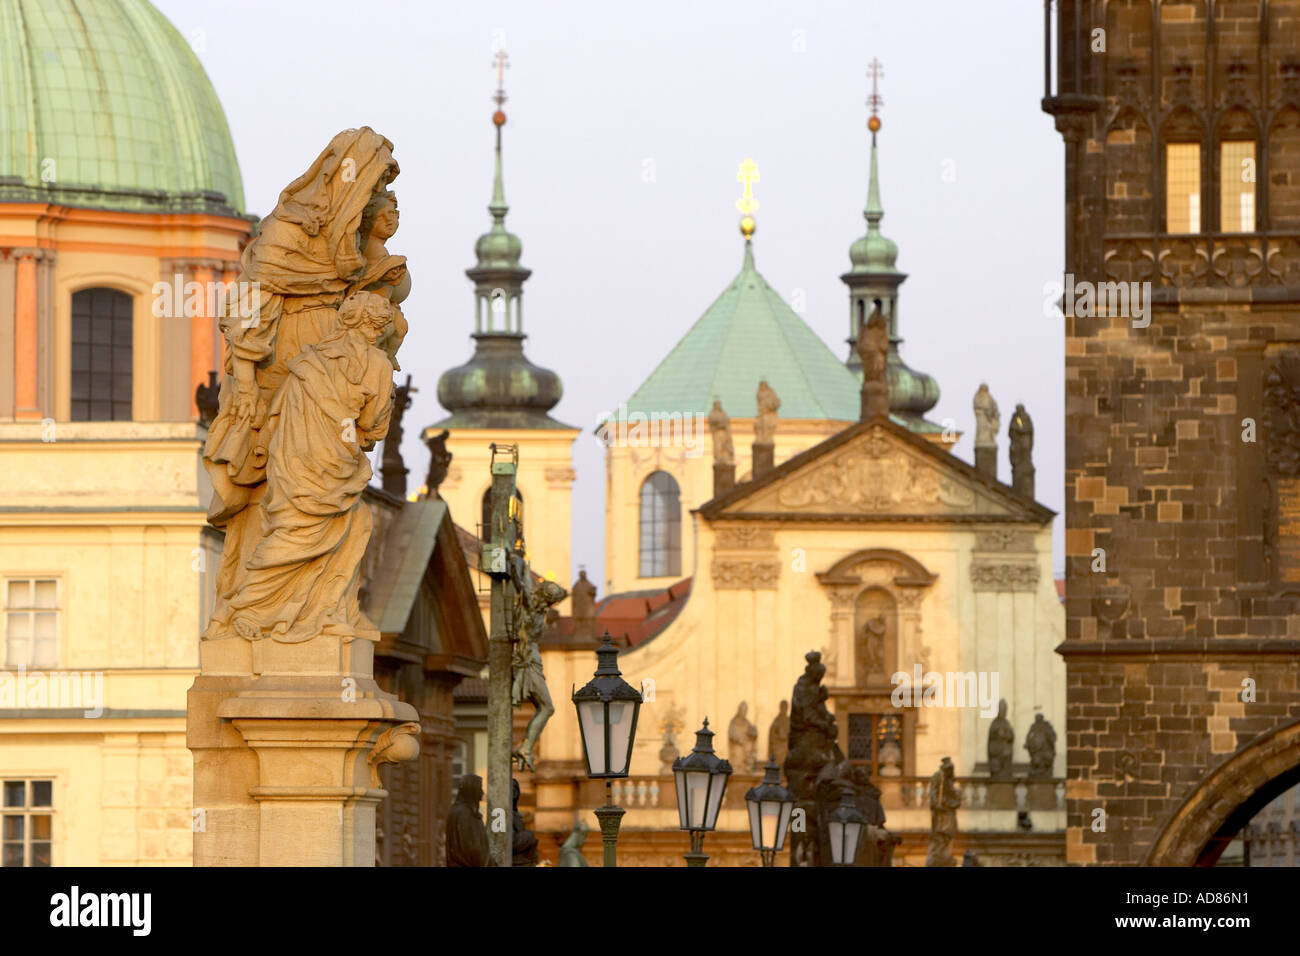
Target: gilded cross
747	174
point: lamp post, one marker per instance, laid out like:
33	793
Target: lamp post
844	825
701	784
607	711
770	807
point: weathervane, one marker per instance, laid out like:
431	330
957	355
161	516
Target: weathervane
875	71
502	62
747	204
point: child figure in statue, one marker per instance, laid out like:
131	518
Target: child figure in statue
335	403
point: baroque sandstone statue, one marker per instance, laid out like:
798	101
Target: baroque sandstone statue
1002	738
778	735
987	418
742	736
467	841
307	389
945	798
765	421
872	346
1040	741
724	450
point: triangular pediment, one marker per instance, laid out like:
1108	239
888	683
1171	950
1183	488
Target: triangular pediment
875	470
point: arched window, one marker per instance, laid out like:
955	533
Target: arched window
101	356
661	526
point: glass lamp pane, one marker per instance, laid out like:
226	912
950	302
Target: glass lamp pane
771	815
620	734
591	717
683	808
719	787
853	832
783	826
697	792
837	841
755	825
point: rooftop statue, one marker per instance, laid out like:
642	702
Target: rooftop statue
765	422
724	450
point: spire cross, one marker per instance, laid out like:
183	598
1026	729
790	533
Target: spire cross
502	62
747	174
876	71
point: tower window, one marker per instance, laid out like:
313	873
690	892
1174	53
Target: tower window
1237	186
661	526
101	356
1183	187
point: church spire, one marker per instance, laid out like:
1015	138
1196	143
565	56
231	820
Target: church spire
873	282
498	387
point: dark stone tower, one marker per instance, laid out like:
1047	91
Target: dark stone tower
1181	122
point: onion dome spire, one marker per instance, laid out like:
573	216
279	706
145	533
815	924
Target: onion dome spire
873	282
499	387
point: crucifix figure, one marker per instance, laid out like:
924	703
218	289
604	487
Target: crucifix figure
875	71
501	61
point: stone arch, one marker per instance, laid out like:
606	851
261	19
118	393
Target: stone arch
1227	798
913	572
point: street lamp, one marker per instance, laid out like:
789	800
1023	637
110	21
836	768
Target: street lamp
844	825
701	784
607	712
770	806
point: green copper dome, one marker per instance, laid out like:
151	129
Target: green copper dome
103	104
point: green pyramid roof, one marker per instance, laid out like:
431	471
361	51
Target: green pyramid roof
748	334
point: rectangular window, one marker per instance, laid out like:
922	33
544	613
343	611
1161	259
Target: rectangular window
31	622
27	823
1237	186
876	742
1183	187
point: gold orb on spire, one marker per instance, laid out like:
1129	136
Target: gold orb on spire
747	204
873	124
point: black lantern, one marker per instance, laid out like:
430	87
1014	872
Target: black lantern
607	711
770	807
844	827
701	784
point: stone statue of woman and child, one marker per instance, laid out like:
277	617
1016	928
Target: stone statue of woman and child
307	391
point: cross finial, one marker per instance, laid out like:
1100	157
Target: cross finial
875	71
747	204
502	62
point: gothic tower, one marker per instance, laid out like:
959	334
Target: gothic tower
1181	122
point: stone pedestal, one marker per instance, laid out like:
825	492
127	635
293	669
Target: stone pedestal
1022	480
875	399
986	460
287	742
724	479
764	459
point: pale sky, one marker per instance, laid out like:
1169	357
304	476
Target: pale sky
971	180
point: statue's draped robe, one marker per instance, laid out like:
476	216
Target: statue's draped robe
304	260
299	581
467	842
